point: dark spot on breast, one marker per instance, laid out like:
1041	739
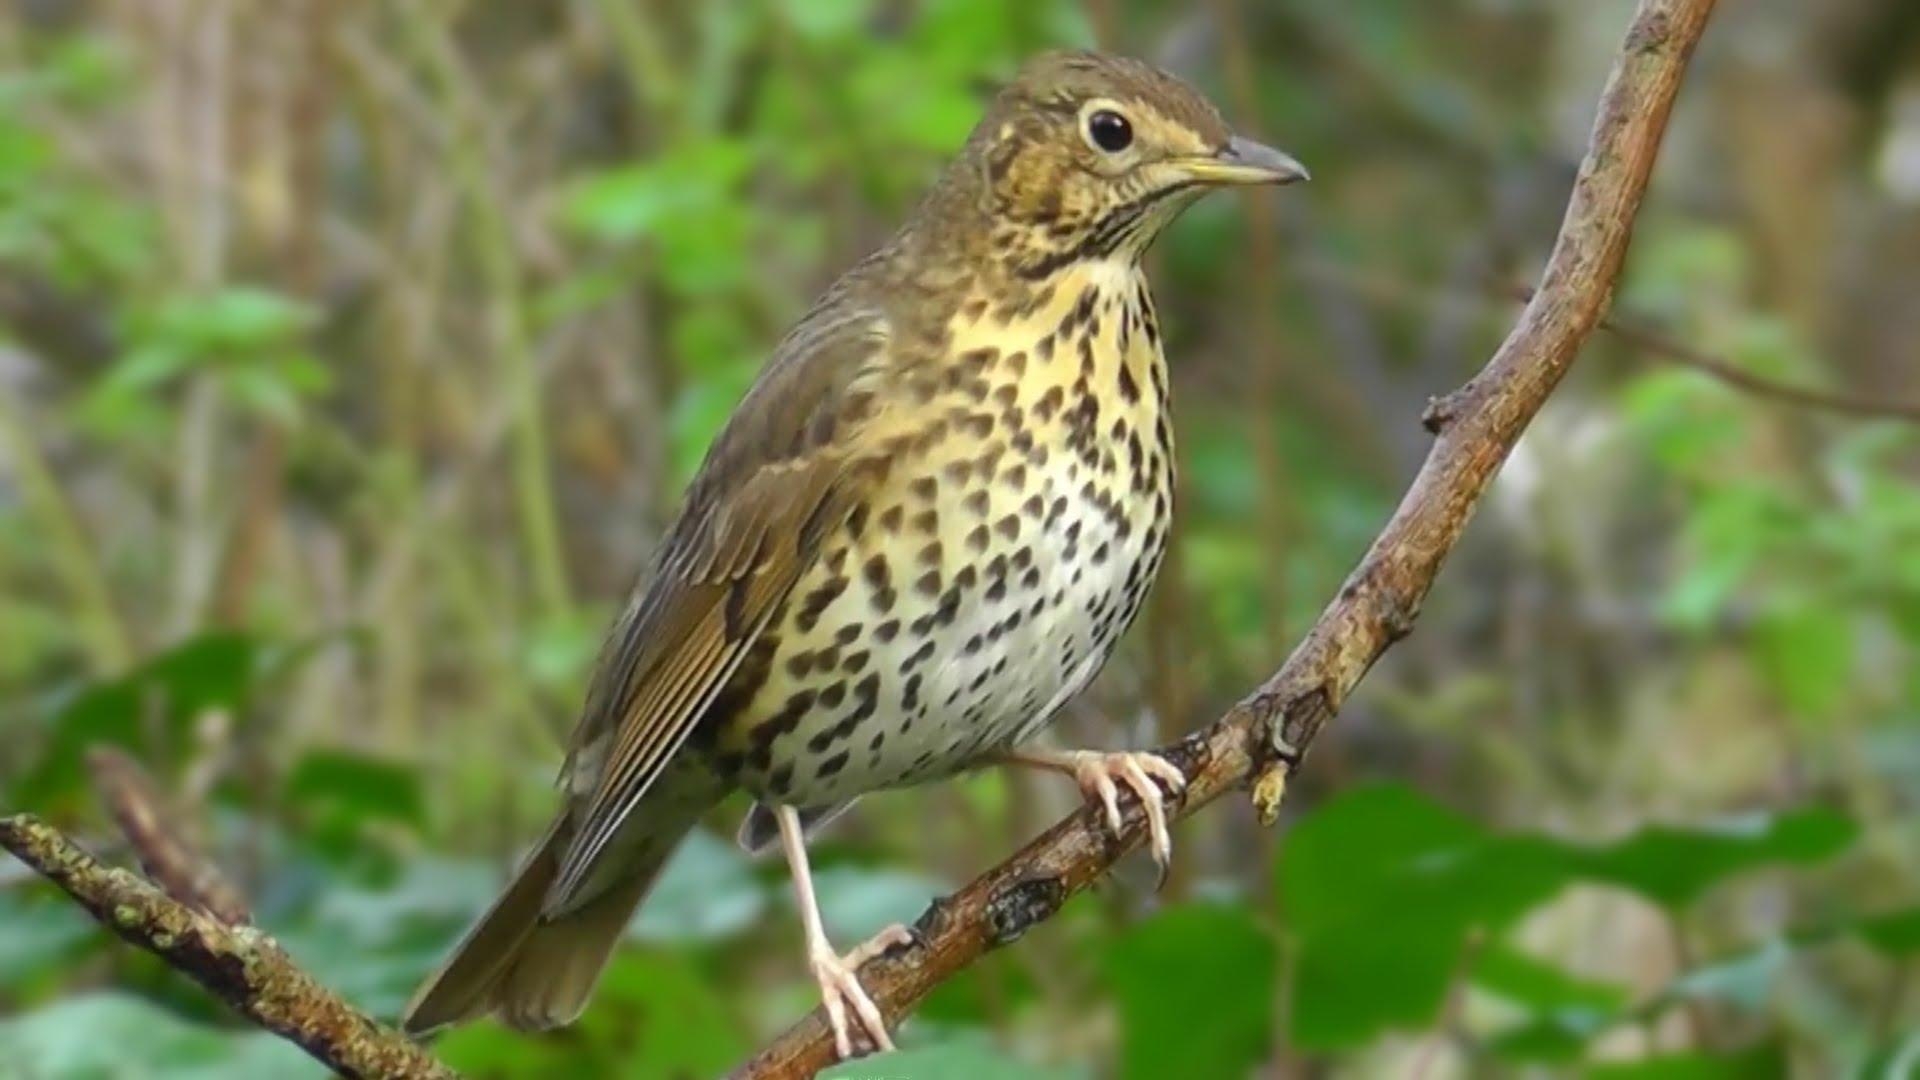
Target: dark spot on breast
1008	527
815	603
930	555
891	517
928	584
977	538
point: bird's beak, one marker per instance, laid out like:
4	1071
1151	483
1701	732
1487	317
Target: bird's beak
1245	162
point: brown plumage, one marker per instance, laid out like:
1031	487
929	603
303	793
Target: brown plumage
919	535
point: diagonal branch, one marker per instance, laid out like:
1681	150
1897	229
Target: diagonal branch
164	853
240	965
1264	738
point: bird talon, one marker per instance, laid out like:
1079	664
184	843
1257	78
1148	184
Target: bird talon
1138	771
840	990
878	945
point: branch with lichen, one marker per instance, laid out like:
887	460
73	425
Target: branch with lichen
1264	739
238	964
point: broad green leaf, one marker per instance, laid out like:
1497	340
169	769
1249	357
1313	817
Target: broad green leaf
1673	865
358	786
956	1057
1746	979
1381	889
1196	990
1767	1061
37	937
1805	653
96	1035
857	901
707	891
1525	980
664	1017
147	712
1897	934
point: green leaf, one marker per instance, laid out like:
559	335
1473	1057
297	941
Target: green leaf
1896	934
1745	979
954	1058
147	712
92	1035
1525	980
856	901
708	891
359	786
682	185
1767	1061
1382	888
372	943
38	937
665	1016
1673	866
1805	653
221	325
1220	1020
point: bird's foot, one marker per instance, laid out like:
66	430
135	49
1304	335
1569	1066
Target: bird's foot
1097	773
842	993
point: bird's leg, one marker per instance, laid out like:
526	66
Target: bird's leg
840	988
1096	772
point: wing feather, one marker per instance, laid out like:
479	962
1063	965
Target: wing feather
779	476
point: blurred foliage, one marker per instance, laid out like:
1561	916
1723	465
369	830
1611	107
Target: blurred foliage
352	357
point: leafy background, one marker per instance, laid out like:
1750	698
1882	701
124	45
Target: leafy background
353	355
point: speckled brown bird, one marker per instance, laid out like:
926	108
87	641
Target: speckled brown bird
920	534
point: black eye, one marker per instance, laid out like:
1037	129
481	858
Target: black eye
1109	131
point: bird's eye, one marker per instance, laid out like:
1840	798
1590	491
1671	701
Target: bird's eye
1109	131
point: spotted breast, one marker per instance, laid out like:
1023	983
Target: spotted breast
989	578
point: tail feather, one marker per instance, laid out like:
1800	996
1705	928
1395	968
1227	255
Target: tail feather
535	973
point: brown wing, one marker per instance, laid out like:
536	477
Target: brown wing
778	478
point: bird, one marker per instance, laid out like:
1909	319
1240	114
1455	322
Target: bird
920	534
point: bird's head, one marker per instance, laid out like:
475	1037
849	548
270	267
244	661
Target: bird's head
1085	155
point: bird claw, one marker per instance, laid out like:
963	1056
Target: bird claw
1096	773
840	991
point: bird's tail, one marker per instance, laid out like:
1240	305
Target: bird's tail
537	972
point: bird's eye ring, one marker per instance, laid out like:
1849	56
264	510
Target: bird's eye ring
1109	131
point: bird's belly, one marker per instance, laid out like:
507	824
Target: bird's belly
961	617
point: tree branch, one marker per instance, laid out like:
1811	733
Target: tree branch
240	965
1265	737
1661	346
164	853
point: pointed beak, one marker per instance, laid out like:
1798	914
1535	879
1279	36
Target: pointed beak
1244	161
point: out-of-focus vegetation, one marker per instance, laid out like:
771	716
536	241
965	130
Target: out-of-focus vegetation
352	356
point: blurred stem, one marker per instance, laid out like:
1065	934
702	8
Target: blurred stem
1259	288
646	64
66	543
506	314
1685	960
1888	1014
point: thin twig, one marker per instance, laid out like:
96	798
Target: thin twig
240	965
163	851
1268	733
1664	347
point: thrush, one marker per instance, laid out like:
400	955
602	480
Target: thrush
920	534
